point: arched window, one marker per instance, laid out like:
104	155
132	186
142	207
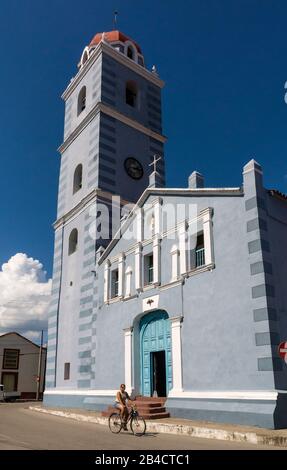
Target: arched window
82	100
78	176
130	53
85	57
73	241
131	94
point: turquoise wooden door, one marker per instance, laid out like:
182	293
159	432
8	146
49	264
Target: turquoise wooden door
155	335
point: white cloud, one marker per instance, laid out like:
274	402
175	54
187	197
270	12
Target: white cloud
24	296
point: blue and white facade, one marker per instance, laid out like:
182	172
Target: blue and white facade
187	301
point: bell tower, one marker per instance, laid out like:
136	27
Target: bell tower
112	130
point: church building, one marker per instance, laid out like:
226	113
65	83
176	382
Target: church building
178	292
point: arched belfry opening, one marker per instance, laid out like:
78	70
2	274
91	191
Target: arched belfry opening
131	93
73	241
82	100
130	53
78	178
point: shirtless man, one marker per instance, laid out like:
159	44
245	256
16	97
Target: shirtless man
121	403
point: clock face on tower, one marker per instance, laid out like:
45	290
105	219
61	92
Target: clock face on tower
134	168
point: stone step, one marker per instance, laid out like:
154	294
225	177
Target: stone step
147	407
141	409
144	415
161	400
143	397
142	404
152	411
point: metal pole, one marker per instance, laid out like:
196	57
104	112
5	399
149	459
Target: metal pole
39	367
115	19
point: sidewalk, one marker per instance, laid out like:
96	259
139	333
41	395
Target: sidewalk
202	429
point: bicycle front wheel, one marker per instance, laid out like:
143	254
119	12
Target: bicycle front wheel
138	425
115	423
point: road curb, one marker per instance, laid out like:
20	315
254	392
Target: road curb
259	437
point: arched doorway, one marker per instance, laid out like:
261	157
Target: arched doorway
155	351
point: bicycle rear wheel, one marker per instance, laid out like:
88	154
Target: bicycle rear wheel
138	425
115	423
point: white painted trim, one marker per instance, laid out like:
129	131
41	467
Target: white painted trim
157	212
182	248
149	241
176	352
128	283
166	192
150	303
148	287
113	300
128	332
121	268
170	285
138	267
85	392
200	269
156	261
107	281
174	263
208	236
85	51
225	395
139	224
134	296
229	395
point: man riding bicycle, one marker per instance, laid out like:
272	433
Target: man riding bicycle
121	403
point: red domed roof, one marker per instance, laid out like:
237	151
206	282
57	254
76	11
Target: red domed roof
113	36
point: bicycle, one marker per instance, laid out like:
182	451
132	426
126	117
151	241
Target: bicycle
137	422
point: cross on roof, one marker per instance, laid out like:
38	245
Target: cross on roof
156	158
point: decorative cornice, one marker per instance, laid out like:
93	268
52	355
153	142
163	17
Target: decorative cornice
128	330
200	269
100	107
131	122
157	201
119	57
129	297
113	300
94	111
206	214
76	209
170	285
178	319
103	196
168	192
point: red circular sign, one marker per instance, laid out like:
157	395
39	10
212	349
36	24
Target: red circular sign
282	350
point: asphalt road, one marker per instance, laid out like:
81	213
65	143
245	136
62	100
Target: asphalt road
21	428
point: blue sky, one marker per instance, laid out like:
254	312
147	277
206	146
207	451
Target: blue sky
225	66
